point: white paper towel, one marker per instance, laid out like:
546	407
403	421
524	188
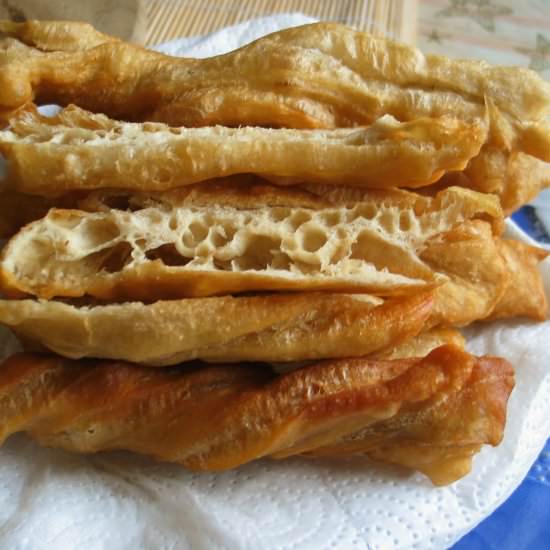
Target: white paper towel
51	499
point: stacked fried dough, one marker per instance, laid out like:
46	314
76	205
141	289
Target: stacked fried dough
316	213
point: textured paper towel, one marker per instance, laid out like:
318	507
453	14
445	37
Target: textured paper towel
51	499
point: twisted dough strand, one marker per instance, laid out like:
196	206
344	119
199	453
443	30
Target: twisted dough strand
219	417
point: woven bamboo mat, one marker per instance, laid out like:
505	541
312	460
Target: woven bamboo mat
168	19
155	21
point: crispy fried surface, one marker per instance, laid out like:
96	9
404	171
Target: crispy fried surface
322	75
417	346
524	295
315	76
449	402
488	278
515	177
477	274
155	157
422	344
291	327
418	437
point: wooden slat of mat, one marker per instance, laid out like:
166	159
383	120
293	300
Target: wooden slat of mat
169	19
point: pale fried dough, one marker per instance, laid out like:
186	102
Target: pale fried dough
243	413
417	346
525	293
189	244
422	344
241	191
77	150
255	328
488	277
477	274
322	75
515	177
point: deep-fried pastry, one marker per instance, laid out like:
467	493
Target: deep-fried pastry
524	294
200	242
488	277
417	346
77	150
422	344
134	219
449	401
284	327
515	177
477	274
315	76
420	437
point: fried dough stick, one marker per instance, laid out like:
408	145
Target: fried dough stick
283	327
77	150
315	76
204	242
524	294
422	344
219	417
516	178
501	168
440	439
477	274
488	277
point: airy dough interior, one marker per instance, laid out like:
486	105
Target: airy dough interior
372	245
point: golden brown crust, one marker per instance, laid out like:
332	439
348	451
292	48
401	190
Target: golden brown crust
422	344
291	327
77	150
477	274
515	177
417	438
243	413
525	294
320	75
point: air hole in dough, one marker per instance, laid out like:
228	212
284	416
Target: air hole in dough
259	253
168	255
313	238
299	218
331	218
118	202
405	221
116	257
196	234
98	231
216	237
